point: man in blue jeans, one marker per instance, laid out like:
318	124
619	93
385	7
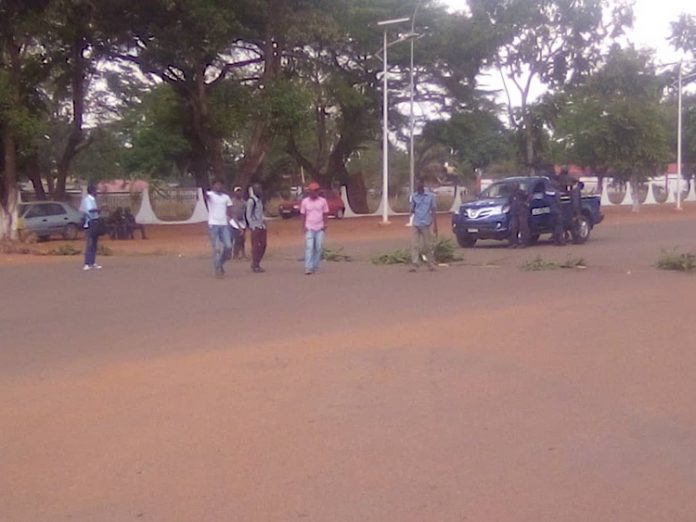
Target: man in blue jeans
314	210
219	213
424	210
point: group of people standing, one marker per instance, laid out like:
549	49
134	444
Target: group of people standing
519	208
229	218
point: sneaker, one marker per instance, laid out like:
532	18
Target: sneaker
86	267
258	270
96	267
413	269
308	272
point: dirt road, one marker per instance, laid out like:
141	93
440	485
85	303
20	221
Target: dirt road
151	391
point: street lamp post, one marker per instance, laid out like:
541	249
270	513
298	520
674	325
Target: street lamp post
385	119
412	164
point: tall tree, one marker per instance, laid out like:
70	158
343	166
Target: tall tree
547	43
614	122
21	69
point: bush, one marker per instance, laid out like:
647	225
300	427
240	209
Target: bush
674	260
15	247
104	250
538	264
445	252
64	250
335	255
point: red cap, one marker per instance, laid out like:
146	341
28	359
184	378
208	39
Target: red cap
313	186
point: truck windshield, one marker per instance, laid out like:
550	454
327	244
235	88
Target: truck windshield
504	189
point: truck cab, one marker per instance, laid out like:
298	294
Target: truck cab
488	217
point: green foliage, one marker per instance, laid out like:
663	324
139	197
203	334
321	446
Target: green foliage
335	255
64	250
397	257
614	120
539	264
154	130
475	137
104	250
445	252
574	262
675	260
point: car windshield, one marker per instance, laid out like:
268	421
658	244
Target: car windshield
503	189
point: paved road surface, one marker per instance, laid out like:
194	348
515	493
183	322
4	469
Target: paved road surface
150	391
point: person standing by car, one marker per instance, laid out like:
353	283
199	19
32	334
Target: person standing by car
519	219
257	225
219	205
90	213
238	224
314	210
424	210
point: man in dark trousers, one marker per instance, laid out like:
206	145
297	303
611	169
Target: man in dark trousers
424	210
519	219
257	225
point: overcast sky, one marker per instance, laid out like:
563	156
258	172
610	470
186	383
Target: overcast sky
651	26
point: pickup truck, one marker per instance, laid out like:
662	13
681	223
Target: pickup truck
488	217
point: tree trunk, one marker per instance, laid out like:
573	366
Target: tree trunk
635	193
34	174
262	136
75	140
212	145
9	194
529	144
357	193
199	164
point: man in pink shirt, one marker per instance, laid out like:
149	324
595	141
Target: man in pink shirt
313	209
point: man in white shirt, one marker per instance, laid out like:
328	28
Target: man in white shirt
219	214
90	213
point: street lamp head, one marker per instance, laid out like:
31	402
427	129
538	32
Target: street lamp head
393	21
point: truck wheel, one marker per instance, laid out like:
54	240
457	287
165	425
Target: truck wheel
465	240
581	230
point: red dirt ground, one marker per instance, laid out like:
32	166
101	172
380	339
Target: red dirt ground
151	391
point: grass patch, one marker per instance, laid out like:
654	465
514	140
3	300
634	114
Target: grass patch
104	250
674	260
336	256
445	252
16	247
574	262
539	264
64	250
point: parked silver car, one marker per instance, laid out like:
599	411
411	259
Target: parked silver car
48	218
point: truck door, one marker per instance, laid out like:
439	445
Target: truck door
539	208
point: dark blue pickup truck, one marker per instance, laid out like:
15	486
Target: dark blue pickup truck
489	216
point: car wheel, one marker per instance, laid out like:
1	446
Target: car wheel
44	237
340	213
465	240
533	239
581	230
70	231
286	216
